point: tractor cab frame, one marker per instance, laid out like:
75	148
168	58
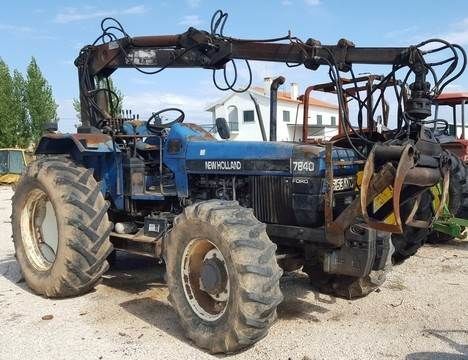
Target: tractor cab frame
456	141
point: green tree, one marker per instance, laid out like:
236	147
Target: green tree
8	127
40	101
116	102
19	111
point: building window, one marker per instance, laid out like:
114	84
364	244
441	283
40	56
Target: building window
249	116
333	120
286	116
319	119
233	119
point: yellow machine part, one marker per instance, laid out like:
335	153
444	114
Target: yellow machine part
386	196
380	200
9	178
437	193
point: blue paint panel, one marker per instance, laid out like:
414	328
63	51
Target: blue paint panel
175	161
338	154
235	150
193	146
108	171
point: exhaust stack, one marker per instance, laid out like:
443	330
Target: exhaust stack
274	105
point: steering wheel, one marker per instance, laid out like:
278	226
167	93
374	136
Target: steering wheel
155	125
441	129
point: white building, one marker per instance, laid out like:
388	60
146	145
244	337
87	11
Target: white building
239	110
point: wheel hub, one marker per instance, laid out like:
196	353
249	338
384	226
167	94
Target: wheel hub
206	279
213	276
39	230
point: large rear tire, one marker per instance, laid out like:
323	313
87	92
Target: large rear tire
408	243
222	275
60	228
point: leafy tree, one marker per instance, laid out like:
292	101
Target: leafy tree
77	106
40	101
20	116
116	102
7	120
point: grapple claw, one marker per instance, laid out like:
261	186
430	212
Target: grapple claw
408	173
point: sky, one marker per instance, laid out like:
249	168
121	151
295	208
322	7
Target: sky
53	32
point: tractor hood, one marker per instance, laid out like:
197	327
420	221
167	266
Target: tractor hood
190	149
263	158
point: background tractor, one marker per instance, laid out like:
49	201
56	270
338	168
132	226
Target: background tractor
13	163
452	137
227	217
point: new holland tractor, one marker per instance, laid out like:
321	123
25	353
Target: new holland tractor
227	216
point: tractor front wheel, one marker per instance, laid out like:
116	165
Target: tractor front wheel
60	228
222	275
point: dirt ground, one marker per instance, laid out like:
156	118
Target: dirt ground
420	313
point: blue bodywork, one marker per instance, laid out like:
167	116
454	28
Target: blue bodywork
188	149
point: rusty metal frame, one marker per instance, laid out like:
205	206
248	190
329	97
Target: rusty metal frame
330	87
404	165
411	221
329	196
336	229
373	184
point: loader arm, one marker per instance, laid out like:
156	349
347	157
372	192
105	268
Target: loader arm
199	49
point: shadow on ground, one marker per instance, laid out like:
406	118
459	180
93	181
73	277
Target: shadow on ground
134	274
144	276
447	337
10	270
455	244
156	313
138	275
296	287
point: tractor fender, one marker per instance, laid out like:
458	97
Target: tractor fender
93	151
57	143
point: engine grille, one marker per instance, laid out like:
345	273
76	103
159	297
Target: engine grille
272	199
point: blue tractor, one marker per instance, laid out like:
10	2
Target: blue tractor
226	217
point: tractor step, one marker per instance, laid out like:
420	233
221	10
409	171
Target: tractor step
138	244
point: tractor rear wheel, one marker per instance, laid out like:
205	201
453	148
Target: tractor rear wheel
222	275
60	228
412	238
458	198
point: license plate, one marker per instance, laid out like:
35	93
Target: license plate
344	183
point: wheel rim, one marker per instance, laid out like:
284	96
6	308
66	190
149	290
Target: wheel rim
205	279
39	230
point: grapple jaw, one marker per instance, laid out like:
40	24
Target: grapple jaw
413	169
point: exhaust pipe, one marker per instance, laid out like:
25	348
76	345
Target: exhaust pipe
274	105
260	117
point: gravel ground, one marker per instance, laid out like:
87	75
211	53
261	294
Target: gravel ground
419	313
